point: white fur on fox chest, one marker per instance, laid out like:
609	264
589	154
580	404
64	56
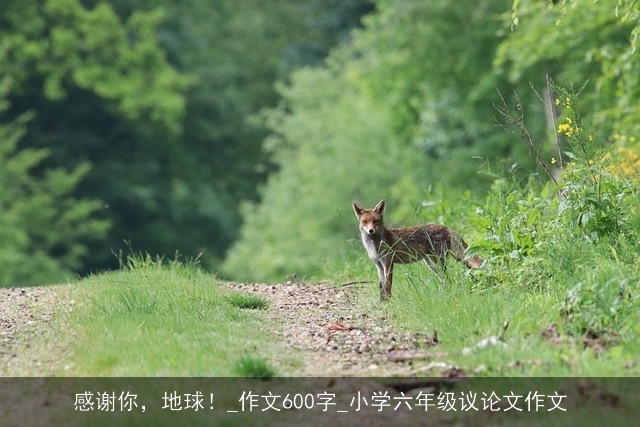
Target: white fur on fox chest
372	244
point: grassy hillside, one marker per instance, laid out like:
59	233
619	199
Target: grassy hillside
542	339
158	318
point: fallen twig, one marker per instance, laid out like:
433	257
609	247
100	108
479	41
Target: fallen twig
436	383
356	282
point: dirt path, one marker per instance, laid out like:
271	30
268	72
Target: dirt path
323	333
27	348
321	325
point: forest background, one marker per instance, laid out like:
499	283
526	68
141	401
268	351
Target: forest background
240	132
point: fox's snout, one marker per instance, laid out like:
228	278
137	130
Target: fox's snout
370	231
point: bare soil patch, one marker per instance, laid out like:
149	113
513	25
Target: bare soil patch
30	345
322	326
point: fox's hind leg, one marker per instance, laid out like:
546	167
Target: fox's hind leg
382	279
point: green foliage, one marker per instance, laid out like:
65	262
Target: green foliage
254	367
575	41
303	221
419	67
156	95
385	117
161	317
602	304
95	84
576	239
44	228
65	45
509	224
163	101
596	198
561	266
247	301
595	201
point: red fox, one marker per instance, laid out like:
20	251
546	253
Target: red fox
387	246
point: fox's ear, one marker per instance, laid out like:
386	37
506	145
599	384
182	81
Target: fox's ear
380	207
358	209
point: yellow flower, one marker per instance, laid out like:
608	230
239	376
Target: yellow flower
557	101
590	138
553	160
566	129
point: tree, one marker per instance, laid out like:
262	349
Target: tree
238	50
44	229
327	159
58	46
101	93
403	107
157	96
575	42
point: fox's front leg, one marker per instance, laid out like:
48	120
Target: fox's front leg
382	278
385	273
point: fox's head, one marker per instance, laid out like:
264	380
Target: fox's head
371	220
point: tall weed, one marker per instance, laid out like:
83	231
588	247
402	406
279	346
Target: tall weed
575	236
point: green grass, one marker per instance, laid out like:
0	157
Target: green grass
252	302
552	263
254	367
596	295
163	319
558	257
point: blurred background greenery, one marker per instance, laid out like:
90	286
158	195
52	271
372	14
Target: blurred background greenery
244	130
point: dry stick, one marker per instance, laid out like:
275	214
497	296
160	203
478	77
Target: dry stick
356	282
550	113
518	122
553	120
412	384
